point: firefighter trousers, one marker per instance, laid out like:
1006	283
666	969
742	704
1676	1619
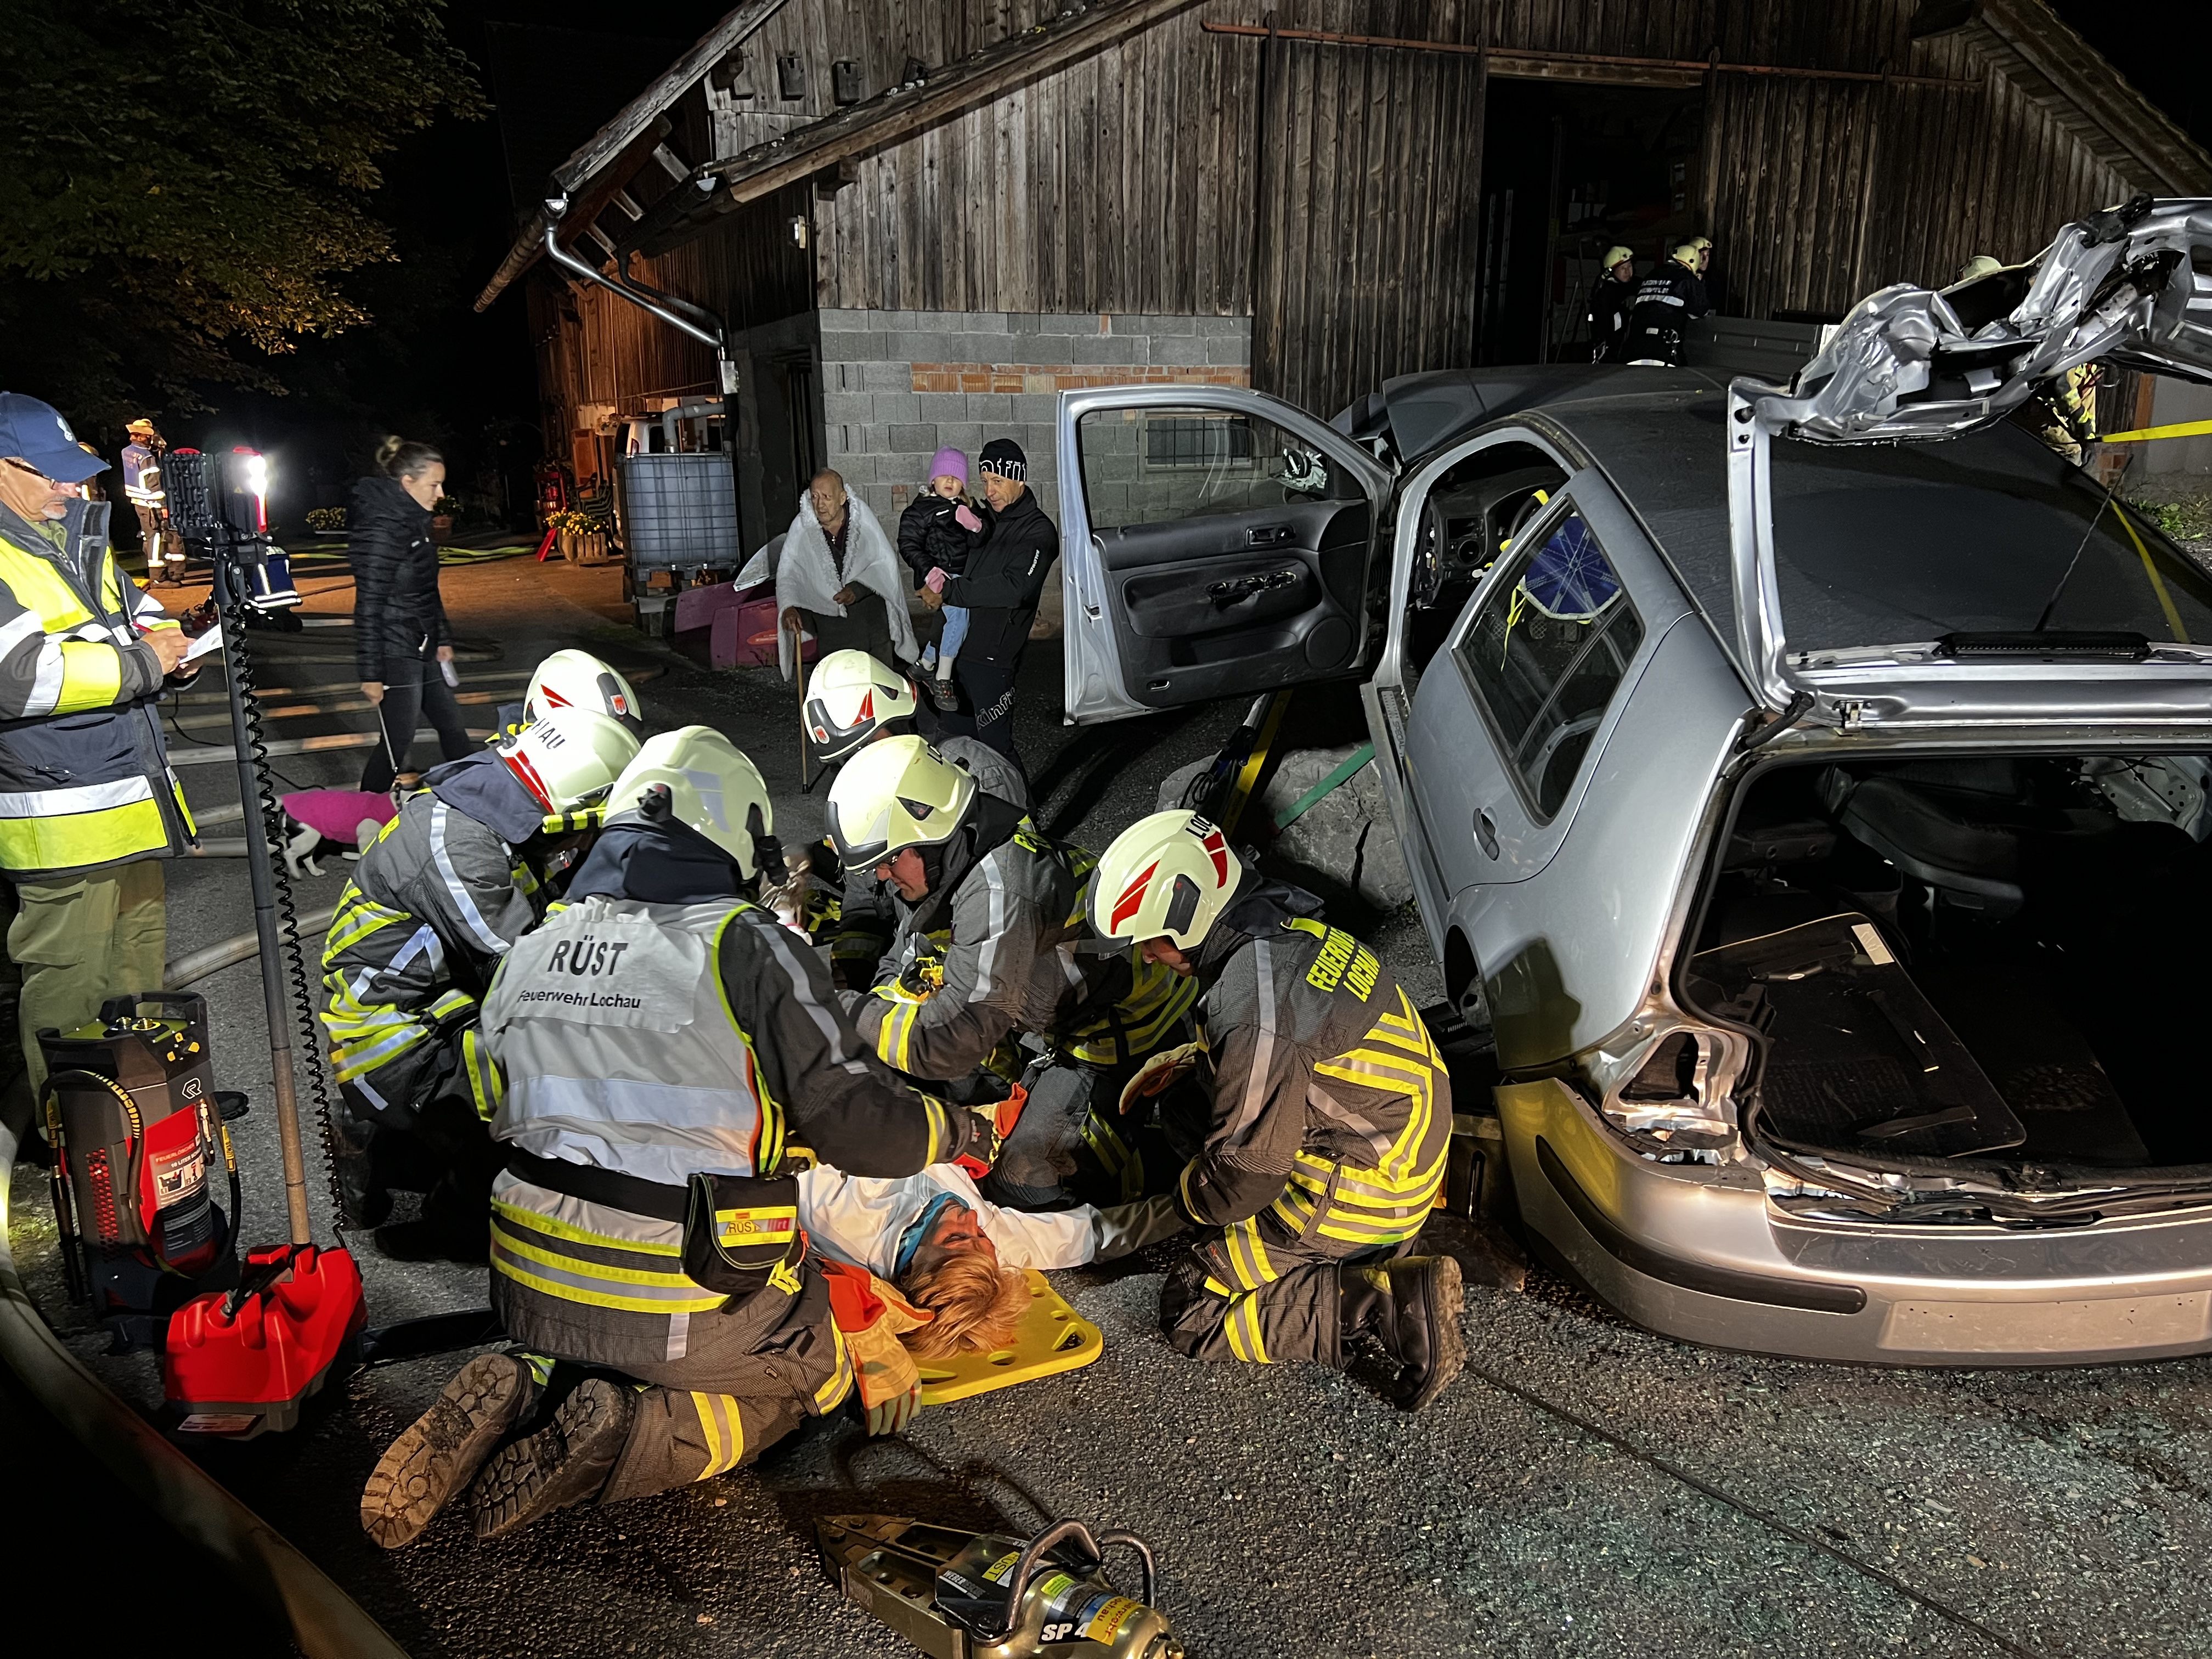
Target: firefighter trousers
716	1399
81	941
1254	1291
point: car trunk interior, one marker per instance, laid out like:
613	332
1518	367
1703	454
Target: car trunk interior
1972	960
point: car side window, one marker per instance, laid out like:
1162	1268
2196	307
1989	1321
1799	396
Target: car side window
1545	651
1147	466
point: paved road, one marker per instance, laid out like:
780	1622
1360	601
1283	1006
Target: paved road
1588	1489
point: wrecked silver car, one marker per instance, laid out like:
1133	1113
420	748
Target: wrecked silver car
1818	822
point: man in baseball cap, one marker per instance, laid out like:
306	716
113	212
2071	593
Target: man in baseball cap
1004	578
83	653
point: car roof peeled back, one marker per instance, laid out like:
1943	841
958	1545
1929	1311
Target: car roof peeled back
1881	544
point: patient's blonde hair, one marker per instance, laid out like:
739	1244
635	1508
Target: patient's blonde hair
978	1305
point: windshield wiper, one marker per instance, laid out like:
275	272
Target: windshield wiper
2112	489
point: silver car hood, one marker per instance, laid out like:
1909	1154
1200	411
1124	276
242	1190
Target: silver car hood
2132	285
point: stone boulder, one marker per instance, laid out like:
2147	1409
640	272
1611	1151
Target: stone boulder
1347	835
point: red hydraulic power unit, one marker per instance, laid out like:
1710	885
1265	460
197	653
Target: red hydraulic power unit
241	1364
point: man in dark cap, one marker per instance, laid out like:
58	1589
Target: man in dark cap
89	806
1004	577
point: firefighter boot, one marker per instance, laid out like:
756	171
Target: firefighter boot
442	1449
565	1462
1412	1307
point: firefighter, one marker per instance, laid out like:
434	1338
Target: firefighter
1323	1141
453	881
664	1047
91	805
852	699
1609	303
991	963
1664	305
141	486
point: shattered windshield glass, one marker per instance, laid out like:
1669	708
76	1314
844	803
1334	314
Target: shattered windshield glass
1881	544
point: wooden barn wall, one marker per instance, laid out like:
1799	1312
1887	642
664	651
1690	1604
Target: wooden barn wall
1127	183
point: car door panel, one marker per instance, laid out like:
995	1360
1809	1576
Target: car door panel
1229	603
1218	542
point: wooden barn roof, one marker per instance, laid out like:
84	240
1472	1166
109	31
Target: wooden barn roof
2028	44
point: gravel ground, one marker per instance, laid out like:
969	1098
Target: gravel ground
1588	1489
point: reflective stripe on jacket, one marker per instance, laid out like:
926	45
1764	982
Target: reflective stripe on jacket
435	901
659	1042
84	775
1332	1107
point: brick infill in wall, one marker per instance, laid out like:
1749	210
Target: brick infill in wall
1068	377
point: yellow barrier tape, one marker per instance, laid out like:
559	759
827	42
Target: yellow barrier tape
2144	434
2157	582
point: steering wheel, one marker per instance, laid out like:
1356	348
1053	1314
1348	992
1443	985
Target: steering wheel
1431	553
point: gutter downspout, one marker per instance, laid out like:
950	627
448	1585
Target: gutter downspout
725	376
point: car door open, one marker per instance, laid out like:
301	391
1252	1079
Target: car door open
1216	543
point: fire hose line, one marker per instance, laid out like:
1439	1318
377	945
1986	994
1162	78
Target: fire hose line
225	953
1773	1522
324	1621
214	753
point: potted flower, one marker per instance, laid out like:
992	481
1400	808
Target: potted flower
583	539
441	518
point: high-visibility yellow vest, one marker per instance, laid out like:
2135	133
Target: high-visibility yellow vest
84	775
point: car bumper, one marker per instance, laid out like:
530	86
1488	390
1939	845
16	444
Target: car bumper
1699	1253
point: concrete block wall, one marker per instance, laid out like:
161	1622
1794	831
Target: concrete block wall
898	385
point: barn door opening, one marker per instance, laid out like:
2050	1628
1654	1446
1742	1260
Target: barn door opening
1568	172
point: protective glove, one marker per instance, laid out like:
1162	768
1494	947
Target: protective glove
964	516
1124	1229
870	1315
934	582
1158	1074
995	1124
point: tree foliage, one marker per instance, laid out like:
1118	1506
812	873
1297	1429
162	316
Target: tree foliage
188	182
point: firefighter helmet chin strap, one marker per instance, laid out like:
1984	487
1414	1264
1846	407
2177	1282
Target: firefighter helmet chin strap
768	851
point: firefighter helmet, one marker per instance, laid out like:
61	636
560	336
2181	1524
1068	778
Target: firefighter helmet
1616	255
1684	253
577	679
850	697
1165	877
570	759
896	793
141	427
1979	266
706	783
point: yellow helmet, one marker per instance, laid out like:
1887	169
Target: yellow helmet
896	793
701	780
569	760
1979	266
1165	877
1613	256
577	679
1684	253
851	697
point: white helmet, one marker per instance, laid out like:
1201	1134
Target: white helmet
577	679
1165	877
710	786
851	697
898	793
568	760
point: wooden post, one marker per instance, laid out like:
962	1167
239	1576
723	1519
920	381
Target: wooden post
799	672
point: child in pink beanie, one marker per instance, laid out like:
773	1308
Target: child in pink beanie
936	532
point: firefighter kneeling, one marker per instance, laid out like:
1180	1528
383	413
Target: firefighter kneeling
663	1047
1324	1147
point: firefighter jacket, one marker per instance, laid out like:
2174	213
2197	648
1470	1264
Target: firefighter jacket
1610	303
866	918
440	896
84	770
142	475
1331	1106
996	948
1666	302
656	1029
